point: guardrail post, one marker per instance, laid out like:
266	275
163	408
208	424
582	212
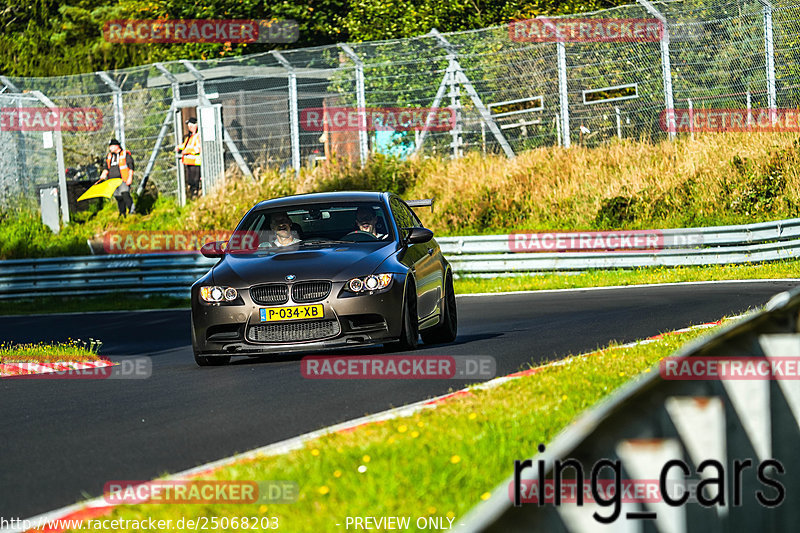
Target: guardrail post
119	110
666	68
62	171
363	146
294	120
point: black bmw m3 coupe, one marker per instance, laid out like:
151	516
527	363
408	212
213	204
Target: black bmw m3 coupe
326	270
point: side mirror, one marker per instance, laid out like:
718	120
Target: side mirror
418	235
213	250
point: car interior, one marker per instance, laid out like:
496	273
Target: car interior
335	222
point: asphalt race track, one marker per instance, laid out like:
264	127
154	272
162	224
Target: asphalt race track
63	439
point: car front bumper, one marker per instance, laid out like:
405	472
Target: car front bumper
348	320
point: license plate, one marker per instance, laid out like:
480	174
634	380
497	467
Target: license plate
297	312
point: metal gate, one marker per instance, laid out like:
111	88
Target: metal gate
31	160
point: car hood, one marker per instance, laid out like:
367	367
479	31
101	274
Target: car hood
336	263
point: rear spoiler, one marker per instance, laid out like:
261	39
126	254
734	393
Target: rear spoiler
428	202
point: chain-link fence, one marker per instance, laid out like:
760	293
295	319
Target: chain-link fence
508	91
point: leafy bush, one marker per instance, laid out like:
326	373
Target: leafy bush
617	211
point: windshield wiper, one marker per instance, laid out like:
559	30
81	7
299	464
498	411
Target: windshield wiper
323	241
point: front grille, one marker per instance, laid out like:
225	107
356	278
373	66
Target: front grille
294	331
274	293
310	291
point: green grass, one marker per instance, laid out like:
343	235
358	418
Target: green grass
437	462
72	350
639	276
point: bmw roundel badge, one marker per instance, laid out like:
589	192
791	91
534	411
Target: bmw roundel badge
290	277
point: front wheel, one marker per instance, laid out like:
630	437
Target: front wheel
447	328
409	334
203	360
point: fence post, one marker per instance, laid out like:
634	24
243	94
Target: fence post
119	110
361	102
21	145
294	122
619	122
62	171
666	69
749	110
691	117
455	104
769	53
563	97
176	96
460	78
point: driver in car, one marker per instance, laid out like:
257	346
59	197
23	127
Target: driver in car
367	220
281	225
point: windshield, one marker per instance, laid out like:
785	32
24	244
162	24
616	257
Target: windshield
317	225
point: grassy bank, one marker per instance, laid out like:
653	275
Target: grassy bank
73	350
438	462
713	179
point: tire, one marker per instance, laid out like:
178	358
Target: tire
447	328
203	360
409	334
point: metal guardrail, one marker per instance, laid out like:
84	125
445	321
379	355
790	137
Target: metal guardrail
144	274
779	230
715	245
655	420
483	255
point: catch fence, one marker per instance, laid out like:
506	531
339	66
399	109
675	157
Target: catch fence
507	89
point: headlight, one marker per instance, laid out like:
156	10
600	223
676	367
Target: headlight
214	295
369	283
